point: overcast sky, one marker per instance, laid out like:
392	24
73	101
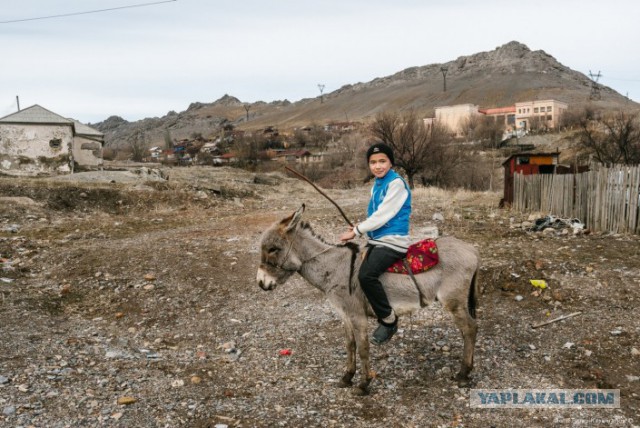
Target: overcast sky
144	61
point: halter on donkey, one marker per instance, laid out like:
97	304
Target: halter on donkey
290	246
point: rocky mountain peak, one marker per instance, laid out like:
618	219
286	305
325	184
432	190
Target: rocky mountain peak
227	100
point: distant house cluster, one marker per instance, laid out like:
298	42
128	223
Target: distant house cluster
35	139
518	118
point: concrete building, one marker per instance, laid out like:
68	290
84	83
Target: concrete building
454	117
36	140
504	115
522	116
536	114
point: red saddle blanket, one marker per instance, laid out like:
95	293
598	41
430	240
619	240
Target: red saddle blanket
421	257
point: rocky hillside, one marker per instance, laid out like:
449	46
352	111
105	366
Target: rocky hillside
503	76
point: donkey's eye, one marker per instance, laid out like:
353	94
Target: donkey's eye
273	250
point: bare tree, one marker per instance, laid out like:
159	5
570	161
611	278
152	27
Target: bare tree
490	132
168	141
612	139
138	144
417	148
470	127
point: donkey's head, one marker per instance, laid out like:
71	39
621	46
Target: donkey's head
278	258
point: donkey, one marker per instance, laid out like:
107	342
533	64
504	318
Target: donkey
290	246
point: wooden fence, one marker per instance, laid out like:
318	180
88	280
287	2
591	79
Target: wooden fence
604	199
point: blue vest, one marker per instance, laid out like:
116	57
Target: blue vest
398	225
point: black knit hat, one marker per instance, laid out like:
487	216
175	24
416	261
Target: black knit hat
381	148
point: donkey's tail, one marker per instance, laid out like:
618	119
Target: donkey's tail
473	295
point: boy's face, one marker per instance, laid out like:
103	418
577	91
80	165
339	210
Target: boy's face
379	164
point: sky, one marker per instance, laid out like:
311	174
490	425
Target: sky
91	59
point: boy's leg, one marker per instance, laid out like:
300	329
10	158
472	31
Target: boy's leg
377	261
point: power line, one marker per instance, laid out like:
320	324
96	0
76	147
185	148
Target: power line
88	12
595	89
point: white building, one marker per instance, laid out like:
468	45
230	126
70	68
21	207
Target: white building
36	139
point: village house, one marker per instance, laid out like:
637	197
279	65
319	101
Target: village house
35	139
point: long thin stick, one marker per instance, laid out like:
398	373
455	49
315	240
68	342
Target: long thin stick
321	192
563	317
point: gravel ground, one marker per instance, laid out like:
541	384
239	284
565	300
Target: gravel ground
134	304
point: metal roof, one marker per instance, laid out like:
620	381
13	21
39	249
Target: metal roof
35	114
82	129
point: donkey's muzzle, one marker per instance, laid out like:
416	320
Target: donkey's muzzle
265	281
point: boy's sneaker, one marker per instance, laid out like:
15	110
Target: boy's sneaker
384	333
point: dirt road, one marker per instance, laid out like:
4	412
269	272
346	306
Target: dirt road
135	304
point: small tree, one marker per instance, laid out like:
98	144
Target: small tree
138	144
168	141
490	132
612	139
417	148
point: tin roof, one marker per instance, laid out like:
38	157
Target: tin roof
541	154
35	114
82	129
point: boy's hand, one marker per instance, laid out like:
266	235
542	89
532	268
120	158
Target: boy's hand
347	236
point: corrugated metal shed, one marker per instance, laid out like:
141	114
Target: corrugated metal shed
526	163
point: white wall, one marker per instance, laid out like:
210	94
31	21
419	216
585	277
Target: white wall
32	141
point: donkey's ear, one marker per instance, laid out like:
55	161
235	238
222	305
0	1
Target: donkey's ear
292	221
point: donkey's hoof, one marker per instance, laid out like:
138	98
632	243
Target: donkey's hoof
463	381
345	383
360	391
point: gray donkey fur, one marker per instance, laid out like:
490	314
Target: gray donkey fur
290	246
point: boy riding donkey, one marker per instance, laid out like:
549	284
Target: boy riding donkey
387	230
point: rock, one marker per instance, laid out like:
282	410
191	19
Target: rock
633	378
437	217
635	352
557	295
9	410
196	379
126	400
4	380
616	332
519	298
568	345
150	277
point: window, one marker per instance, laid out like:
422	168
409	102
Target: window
548	108
549	117
535	110
56	143
523	161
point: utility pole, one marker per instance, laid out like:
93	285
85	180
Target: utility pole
247	107
444	70
18	102
321	87
595	88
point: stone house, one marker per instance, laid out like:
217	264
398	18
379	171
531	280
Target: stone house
37	140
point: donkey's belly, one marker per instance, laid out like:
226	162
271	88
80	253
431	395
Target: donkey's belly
403	294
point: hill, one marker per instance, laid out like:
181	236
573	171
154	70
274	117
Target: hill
503	76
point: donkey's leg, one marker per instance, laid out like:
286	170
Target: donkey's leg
362	341
350	342
469	328
457	303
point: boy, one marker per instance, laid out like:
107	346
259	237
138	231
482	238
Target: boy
387	230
